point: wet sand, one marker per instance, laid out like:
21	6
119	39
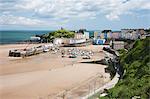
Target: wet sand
44	74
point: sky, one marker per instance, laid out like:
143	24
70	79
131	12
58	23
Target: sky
74	14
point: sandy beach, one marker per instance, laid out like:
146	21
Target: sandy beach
45	74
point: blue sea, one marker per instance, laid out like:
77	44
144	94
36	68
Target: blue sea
11	37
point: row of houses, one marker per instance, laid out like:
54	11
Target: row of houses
81	37
131	34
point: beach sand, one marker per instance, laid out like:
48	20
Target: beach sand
45	74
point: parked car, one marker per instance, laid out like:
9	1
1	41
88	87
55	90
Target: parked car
86	57
72	56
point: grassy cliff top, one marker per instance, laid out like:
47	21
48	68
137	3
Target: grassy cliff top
136	80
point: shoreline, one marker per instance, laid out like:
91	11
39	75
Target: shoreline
20	43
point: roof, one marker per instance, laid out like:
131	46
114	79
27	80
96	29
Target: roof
116	31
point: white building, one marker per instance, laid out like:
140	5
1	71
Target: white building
58	41
77	41
86	35
79	36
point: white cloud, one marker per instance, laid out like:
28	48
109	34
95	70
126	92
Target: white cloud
15	20
127	8
112	16
32	12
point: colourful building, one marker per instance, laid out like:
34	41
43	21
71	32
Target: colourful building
99	41
116	34
95	35
106	34
132	34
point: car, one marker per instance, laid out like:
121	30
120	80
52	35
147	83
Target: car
72	56
86	57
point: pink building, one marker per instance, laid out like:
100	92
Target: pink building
116	34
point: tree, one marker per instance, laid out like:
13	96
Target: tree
58	34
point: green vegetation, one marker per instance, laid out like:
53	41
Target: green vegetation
111	69
58	34
136	80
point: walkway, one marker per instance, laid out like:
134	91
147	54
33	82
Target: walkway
108	85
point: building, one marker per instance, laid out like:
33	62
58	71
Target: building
106	34
116	34
102	36
132	34
99	41
77	41
91	34
116	45
86	35
109	35
58	41
126	33
82	34
95	35
141	31
79	35
146	31
82	30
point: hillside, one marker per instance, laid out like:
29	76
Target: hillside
136	79
57	34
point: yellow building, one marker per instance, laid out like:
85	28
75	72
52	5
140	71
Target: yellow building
95	34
